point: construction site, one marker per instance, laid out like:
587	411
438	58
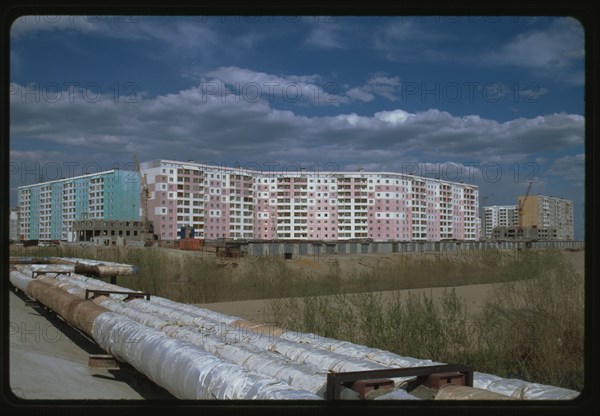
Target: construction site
154	347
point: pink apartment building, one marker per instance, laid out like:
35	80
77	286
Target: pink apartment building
221	202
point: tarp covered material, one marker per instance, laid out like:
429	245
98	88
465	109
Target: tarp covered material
184	369
452	392
28	260
97	267
64	268
399	394
521	389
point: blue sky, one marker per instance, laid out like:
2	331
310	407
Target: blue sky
496	100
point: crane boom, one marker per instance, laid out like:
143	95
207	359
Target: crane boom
520	208
143	189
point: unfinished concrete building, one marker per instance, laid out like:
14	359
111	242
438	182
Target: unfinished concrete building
113	232
547	213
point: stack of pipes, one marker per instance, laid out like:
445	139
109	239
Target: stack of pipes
196	353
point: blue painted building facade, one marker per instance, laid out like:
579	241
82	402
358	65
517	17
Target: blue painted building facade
48	210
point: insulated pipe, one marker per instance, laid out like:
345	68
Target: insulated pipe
184	369
171	320
178	366
76	311
509	387
306	377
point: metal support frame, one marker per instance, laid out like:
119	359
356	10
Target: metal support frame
36	273
335	381
130	295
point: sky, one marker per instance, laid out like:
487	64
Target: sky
497	101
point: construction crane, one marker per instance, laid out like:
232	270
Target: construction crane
144	194
520	209
482	212
483	201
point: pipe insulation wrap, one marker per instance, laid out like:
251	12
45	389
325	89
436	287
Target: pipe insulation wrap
304	352
182	368
19	280
343	349
306	377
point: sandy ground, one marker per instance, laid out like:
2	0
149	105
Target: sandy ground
257	310
49	360
474	295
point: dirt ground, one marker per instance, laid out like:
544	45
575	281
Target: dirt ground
474	295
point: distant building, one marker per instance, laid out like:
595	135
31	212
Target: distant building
548	213
233	203
48	210
499	216
112	232
529	233
13	229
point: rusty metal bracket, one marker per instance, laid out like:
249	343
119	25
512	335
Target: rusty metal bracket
32	302
104	361
94	293
335	381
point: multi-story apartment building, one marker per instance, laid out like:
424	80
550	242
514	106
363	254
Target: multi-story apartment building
547	212
13	227
221	202
499	216
47	210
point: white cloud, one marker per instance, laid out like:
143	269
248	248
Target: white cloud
25	25
360	94
550	51
324	37
325	32
176	38
251	86
571	168
379	84
394	117
190	123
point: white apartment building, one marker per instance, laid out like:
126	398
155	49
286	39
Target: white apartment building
499	216
221	202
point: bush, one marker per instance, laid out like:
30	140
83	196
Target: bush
532	329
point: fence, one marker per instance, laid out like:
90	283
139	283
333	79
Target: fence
298	249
